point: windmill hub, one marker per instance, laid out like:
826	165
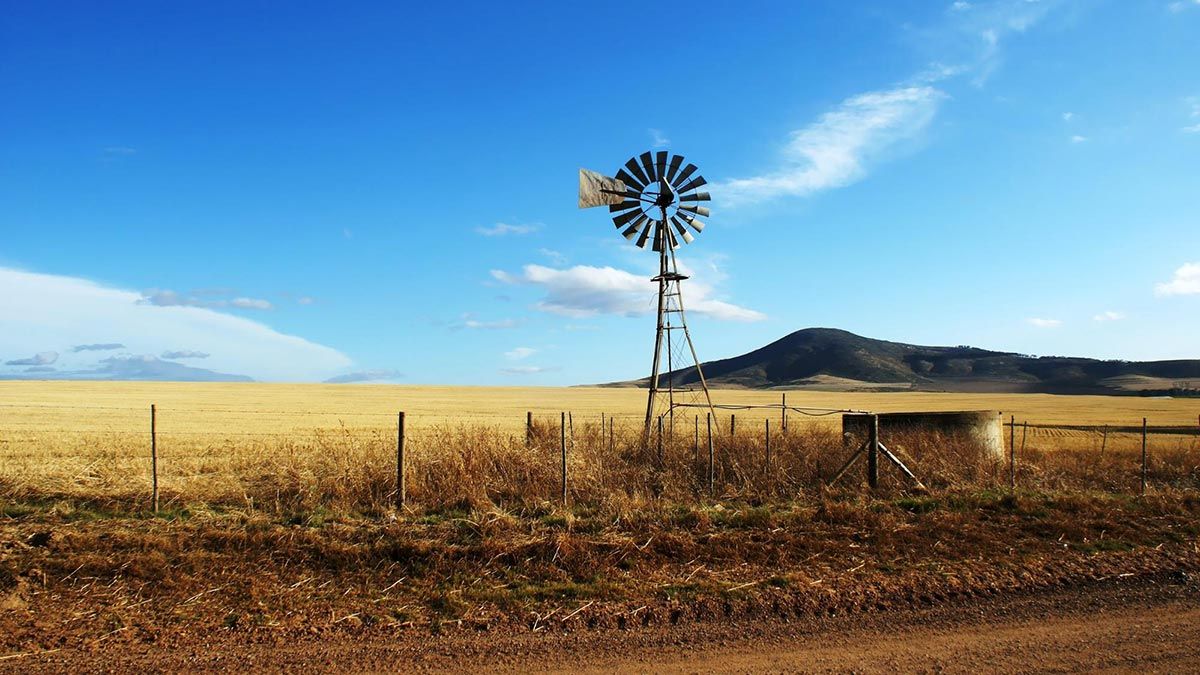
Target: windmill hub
665	196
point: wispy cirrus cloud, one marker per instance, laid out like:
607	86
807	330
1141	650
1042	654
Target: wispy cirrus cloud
583	291
657	139
1186	281
1044	323
1108	315
838	148
1181	5
503	229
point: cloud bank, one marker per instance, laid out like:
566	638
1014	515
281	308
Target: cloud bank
40	312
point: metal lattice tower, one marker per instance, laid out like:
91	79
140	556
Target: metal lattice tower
653	200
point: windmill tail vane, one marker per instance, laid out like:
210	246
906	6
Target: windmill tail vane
653	199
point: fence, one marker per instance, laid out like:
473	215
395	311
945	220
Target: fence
284	461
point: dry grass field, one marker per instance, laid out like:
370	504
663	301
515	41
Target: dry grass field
278	518
290	447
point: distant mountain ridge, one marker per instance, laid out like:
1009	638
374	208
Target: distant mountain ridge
828	358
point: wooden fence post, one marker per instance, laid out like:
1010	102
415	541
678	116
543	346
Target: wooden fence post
712	470
1012	454
732	425
783	413
154	456
696	444
528	428
401	479
611	434
1143	456
768	445
563	446
873	452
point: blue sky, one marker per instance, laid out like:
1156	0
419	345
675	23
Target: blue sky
300	192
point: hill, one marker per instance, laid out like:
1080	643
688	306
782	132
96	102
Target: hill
831	359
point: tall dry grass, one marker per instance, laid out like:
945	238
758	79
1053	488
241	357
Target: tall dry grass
610	469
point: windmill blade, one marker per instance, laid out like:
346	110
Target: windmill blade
624	205
660	163
696	197
673	168
597	189
687	236
622	219
641	242
631	183
631	231
698	210
696	225
648	163
636	170
683	175
693	184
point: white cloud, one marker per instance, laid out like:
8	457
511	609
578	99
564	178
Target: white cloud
1180	5
1044	323
555	257
469	321
1185	282
583	291
43	310
528	370
169	298
365	376
1068	116
836	150
1108	316
657	138
184	354
249	303
519	353
960	6
1194	103
502	229
1079	139
39	359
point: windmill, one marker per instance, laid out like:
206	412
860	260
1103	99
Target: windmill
654	200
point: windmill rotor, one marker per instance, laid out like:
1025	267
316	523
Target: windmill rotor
651	199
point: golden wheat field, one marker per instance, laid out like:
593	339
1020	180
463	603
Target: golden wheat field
303	446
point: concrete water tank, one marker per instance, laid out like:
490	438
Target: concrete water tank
980	428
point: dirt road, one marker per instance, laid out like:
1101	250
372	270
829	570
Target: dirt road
1118	625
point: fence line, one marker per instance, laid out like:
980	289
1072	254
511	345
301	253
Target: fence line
606	437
